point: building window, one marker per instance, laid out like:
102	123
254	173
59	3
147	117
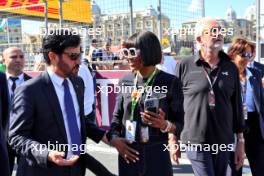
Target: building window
148	23
110	34
118	25
139	24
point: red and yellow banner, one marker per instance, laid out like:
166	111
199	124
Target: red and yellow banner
73	10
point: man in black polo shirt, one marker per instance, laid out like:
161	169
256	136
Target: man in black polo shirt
212	104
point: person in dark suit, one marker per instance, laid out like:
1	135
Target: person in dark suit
241	52
14	60
258	66
4	164
47	128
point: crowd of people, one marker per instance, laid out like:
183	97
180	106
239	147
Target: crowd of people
210	99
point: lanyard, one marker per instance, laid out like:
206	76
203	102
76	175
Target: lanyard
244	90
208	78
136	94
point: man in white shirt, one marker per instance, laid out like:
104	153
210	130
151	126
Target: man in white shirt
89	92
168	65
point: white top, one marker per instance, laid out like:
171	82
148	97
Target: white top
38	58
19	81
168	65
107	56
86	75
59	89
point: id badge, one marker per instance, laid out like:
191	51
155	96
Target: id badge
131	130
211	98
245	113
144	134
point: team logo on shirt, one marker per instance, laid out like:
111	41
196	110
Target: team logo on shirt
225	73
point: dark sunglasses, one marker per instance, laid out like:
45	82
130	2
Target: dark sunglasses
17	56
247	55
73	56
215	30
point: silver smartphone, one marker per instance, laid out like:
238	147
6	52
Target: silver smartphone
152	105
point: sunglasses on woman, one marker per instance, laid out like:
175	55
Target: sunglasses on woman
247	55
126	52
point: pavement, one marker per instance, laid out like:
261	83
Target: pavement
108	157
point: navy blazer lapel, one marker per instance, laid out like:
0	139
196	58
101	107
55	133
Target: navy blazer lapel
254	85
256	91
54	102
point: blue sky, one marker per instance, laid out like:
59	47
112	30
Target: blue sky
218	8
212	9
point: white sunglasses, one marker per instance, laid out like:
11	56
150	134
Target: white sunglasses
126	52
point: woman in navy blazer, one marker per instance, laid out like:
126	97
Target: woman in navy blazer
241	52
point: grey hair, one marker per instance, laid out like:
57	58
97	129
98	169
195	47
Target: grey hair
201	25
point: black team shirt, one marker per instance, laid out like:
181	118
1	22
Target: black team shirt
201	123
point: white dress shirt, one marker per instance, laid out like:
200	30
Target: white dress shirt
168	65
59	89
249	93
18	82
85	74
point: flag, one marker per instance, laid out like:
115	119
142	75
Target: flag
3	25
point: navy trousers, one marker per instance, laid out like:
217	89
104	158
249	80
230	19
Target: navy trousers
254	145
254	148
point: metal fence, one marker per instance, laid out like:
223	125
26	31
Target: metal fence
101	19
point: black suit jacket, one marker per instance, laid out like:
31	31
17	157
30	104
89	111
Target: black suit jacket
37	119
255	82
5	99
9	105
4	164
26	77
